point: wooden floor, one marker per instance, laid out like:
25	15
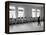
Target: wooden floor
33	26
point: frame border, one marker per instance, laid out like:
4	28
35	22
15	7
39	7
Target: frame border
7	16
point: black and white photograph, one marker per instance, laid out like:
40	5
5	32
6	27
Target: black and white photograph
25	17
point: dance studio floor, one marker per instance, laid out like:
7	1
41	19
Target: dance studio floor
33	26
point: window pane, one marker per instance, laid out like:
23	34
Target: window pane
38	12
11	7
33	9
33	12
12	14
20	12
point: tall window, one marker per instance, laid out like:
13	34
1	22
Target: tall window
12	12
38	12
35	12
20	12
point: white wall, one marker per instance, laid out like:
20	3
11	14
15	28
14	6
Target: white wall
2	17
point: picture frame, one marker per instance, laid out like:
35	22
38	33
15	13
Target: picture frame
7	16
